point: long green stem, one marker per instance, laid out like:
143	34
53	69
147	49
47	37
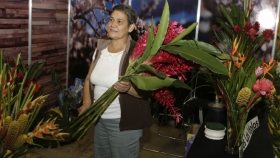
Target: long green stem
91	116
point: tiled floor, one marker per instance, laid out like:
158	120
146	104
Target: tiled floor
152	140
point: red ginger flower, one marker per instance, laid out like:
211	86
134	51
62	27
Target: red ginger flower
268	35
172	65
263	86
172	32
166	99
252	30
237	28
139	47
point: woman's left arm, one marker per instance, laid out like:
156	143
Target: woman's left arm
126	87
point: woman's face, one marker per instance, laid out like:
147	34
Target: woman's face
117	26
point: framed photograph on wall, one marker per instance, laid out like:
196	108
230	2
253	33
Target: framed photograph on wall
88	21
184	12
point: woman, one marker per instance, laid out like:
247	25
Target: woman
118	130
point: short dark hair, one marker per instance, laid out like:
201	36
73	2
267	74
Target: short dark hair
129	11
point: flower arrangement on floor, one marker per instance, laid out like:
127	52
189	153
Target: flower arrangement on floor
20	103
160	59
249	78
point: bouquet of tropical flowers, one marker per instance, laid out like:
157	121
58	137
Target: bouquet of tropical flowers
160	59
249	78
20	103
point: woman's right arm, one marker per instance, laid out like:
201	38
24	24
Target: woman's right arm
86	92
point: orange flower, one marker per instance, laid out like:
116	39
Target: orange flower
267	67
241	58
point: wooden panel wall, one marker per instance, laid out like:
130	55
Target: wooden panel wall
14	28
49	37
49	41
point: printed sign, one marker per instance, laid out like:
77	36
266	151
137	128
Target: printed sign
248	132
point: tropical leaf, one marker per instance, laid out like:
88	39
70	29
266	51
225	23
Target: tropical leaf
198	56
226	14
185	32
199	45
163	25
154	83
149	68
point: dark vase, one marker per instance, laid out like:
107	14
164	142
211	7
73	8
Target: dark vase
217	114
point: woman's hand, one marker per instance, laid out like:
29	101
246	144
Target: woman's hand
83	108
122	86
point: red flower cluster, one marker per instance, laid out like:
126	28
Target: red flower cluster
172	32
173	65
252	30
268	35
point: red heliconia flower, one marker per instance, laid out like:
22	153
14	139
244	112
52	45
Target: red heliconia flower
263	86
237	28
20	76
268	35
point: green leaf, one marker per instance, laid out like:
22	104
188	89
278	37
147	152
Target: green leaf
151	83
225	26
198	44
198	56
152	23
185	32
226	14
147	50
162	29
148	68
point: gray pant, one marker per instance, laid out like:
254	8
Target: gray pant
110	142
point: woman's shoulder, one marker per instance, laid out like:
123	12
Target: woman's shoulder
102	43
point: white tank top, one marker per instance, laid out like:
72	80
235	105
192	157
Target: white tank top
103	76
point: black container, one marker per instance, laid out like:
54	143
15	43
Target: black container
217	114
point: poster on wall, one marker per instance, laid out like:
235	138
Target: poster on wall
87	23
264	11
89	18
184	12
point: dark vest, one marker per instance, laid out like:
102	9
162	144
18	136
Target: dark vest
135	112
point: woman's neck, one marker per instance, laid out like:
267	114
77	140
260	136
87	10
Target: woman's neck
116	46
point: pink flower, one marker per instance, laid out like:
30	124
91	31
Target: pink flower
259	71
263	86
